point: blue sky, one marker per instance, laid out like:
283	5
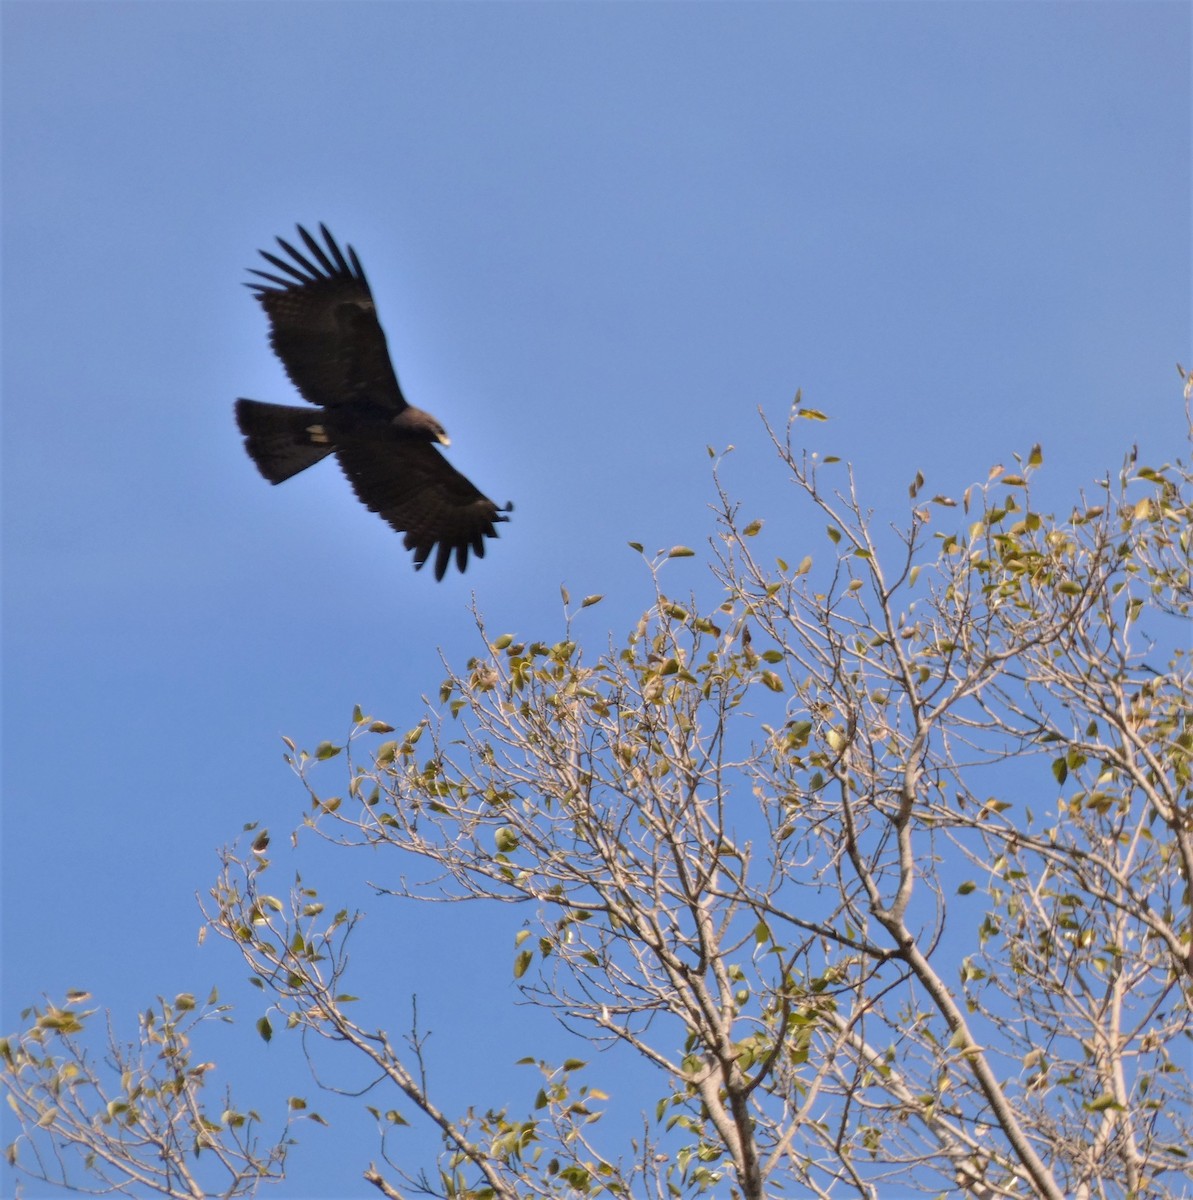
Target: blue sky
600	238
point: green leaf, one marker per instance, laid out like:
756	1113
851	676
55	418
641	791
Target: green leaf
1060	769
834	534
327	750
265	1029
522	963
589	601
752	528
681	552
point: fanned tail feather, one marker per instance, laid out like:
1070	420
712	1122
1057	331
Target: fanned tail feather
282	440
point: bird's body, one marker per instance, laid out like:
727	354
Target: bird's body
324	329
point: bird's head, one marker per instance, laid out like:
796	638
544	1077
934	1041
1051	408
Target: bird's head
417	423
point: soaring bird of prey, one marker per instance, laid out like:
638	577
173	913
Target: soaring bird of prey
323	326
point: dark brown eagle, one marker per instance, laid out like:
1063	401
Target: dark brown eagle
323	326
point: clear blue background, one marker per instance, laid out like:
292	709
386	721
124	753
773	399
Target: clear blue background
600	238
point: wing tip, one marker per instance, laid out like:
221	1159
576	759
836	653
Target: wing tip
330	263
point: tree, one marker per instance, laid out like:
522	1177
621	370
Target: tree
882	863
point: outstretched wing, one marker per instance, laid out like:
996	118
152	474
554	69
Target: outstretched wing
324	327
413	487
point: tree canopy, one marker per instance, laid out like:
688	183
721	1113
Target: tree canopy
879	860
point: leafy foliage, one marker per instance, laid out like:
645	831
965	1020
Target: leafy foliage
138	1123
